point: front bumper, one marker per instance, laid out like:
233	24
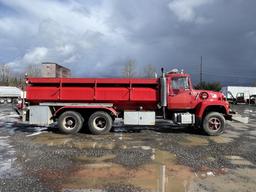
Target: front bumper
229	115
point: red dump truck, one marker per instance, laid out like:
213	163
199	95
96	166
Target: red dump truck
94	103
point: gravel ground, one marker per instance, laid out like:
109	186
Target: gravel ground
158	158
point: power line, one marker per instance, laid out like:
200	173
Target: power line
201	70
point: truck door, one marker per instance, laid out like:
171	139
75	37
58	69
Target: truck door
180	96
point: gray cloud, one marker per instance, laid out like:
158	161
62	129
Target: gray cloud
95	38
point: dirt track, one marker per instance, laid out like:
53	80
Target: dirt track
159	158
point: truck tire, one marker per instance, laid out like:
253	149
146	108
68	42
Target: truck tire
100	122
70	122
214	124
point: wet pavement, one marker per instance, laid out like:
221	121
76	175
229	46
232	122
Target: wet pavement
151	159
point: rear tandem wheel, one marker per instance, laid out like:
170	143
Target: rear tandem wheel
100	122
70	122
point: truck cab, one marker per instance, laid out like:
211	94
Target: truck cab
179	91
185	105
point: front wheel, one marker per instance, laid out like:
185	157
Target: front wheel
214	124
100	122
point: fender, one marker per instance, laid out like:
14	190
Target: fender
110	109
200	109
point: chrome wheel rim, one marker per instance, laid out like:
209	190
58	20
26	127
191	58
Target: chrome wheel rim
100	123
214	124
69	123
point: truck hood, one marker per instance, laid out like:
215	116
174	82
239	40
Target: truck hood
212	95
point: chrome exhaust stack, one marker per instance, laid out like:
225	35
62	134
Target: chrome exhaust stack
163	93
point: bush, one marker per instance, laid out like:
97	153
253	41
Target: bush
214	86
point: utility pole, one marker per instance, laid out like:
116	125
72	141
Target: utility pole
201	71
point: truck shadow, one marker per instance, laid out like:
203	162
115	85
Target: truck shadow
28	128
158	129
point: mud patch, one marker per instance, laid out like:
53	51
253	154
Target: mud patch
222	139
195	141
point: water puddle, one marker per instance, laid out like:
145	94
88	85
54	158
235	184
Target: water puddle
162	174
237	160
9	117
92	145
242	180
52	139
7	159
253	133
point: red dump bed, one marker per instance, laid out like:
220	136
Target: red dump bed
123	93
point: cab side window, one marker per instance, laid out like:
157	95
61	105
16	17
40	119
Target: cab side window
179	84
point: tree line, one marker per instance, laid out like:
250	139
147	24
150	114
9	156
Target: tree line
10	78
214	86
129	70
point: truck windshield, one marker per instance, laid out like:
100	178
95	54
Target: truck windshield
180	83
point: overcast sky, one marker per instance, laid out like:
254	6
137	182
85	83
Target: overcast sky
96	37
